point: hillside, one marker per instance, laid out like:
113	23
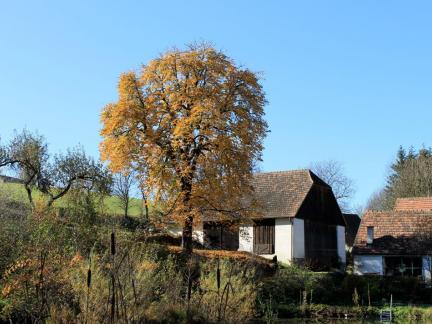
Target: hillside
112	204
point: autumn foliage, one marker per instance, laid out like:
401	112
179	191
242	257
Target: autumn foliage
192	122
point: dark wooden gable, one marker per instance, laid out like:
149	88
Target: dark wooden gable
320	205
321	214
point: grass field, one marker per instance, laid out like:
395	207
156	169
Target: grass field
112	203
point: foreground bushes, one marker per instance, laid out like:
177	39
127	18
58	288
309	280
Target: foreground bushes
64	268
413	313
297	285
67	271
327	311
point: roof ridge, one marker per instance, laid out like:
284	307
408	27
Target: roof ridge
317	179
283	171
414	198
392	211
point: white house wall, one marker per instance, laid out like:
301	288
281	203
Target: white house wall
175	230
298	239
198	233
368	264
246	238
340	230
283	239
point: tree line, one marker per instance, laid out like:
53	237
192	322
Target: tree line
410	176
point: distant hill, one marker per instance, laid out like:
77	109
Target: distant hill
7	179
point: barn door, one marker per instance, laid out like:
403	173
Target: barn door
264	236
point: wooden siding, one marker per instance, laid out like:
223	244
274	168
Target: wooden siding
221	236
264	236
321	206
320	244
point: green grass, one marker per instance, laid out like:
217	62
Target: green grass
112	203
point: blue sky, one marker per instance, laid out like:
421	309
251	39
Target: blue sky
345	80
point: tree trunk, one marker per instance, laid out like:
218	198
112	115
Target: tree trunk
29	195
187	235
186	184
146	214
144	207
126	208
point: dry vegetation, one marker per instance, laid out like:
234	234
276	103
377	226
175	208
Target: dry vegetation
54	269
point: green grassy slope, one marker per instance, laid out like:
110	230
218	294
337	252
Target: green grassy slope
112	204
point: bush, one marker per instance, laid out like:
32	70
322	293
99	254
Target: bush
413	313
326	311
226	292
151	286
296	285
48	279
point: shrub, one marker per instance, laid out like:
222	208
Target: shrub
226	292
152	286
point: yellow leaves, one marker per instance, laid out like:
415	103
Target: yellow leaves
191	115
77	259
9	288
20	264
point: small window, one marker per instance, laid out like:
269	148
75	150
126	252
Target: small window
370	234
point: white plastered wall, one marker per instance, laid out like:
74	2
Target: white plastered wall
198	233
340	230
298	239
246	238
283	240
368	264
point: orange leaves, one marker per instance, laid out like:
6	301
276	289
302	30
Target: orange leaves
190	117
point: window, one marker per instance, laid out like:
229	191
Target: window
370	234
403	266
264	236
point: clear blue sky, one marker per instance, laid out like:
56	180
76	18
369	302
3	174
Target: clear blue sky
346	80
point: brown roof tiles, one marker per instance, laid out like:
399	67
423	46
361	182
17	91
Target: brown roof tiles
282	193
396	232
417	203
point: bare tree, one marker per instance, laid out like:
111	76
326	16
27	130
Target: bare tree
4	156
27	154
124	183
333	173
73	170
378	201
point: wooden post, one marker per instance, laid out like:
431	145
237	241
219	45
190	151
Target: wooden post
391	306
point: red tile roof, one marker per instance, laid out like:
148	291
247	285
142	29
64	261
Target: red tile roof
396	232
417	203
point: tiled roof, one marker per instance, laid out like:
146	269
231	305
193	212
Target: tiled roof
282	193
352	222
395	233
417	203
